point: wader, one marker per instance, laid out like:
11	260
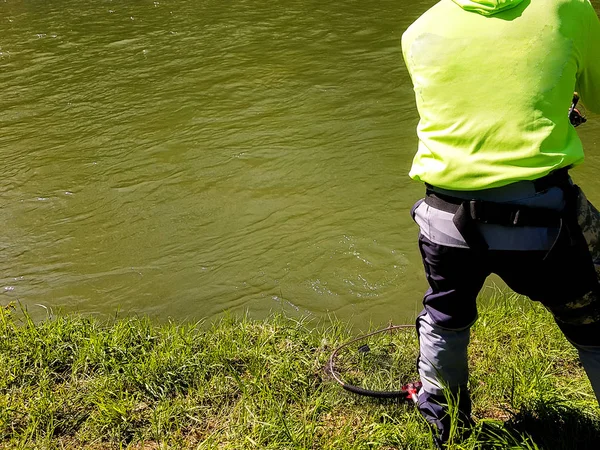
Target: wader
541	237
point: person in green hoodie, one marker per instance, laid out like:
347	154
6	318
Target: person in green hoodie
493	82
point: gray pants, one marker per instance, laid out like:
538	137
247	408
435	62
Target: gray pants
443	358
541	263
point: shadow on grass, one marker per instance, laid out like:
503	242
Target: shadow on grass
558	425
547	425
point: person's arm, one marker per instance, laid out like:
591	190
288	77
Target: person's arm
588	78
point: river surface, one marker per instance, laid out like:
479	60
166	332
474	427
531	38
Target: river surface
185	158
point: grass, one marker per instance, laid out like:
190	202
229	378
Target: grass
75	382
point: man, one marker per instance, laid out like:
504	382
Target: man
493	81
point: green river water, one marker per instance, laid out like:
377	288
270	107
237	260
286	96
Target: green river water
183	158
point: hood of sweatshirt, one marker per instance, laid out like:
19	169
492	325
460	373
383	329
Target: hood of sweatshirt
487	7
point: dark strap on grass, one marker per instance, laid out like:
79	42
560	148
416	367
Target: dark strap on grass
377	394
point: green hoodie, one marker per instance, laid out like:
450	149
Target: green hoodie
493	81
487	7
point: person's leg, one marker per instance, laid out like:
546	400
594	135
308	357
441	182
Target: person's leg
590	360
565	283
588	219
455	277
585	337
443	370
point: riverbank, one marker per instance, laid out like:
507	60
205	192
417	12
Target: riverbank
74	382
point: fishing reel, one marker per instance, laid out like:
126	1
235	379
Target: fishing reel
575	116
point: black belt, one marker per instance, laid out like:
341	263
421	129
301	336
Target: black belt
468	213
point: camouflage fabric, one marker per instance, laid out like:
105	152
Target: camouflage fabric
584	310
588	219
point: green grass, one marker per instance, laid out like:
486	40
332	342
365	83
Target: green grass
75	382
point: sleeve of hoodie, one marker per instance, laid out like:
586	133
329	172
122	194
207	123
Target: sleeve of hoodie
588	78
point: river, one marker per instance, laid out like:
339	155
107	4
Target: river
187	159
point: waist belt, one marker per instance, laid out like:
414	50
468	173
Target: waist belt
468	213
